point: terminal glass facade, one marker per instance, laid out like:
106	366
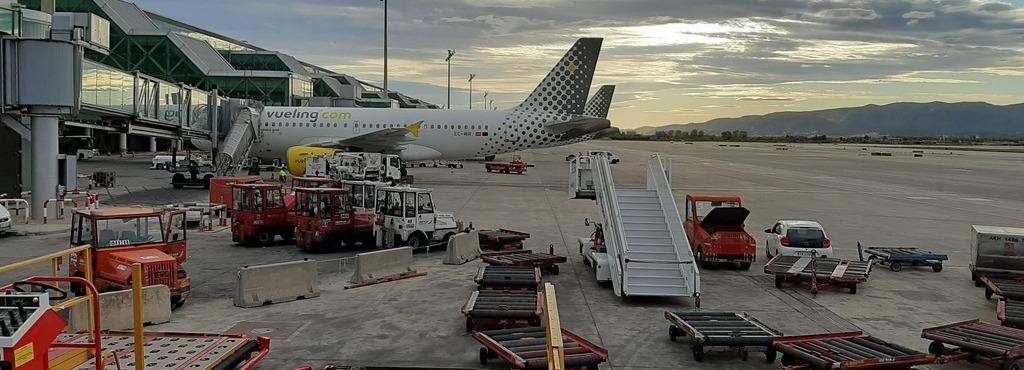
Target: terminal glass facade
199	114
107	88
10	21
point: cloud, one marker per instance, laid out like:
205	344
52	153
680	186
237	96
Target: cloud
847	14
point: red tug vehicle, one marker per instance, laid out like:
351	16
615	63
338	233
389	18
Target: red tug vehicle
260	212
325	219
714	225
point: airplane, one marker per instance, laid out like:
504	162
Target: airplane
597	106
553	114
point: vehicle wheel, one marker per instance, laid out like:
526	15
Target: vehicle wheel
778	281
988	293
416	241
461	165
206	181
853	288
554	269
672	333
937	348
744	354
937	267
483	355
700	258
895	266
770	354
469	324
177	302
767	251
265	238
698	353
586	262
423	164
744	265
977	282
159	166
1017	365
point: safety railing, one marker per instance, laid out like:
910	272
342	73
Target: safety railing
658	180
16	206
613	227
61	205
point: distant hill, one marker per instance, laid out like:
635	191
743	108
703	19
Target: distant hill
897	119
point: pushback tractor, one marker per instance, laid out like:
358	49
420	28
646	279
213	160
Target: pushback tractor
325	220
406	217
261	212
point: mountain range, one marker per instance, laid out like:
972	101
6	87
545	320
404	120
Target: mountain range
968	119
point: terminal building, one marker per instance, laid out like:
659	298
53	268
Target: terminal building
107	75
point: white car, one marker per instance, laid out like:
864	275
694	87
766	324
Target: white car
797	238
5	220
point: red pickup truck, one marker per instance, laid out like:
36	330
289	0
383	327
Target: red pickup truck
714	225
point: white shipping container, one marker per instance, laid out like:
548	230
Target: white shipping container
997	248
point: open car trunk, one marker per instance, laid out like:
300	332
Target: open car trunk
725	219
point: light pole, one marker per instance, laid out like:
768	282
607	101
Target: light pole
386	49
492	104
471	75
451	53
485	100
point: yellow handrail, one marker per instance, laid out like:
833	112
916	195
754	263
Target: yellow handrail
47	258
556	349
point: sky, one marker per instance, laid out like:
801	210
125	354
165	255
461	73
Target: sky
673	61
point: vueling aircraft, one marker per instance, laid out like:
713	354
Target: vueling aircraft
553	114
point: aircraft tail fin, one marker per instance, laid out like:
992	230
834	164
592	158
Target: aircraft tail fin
598	104
564	90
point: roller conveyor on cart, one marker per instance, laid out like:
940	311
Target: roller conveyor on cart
896	257
853	350
526	348
1011	313
508	278
502	309
1010	288
717	330
543	261
178	351
978	342
825	271
501	239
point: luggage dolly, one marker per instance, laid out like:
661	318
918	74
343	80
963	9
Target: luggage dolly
1009	288
507	278
502	239
978	343
854	350
544	261
896	257
817	272
502	309
526	348
722	331
1010	312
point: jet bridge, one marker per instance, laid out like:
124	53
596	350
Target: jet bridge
648	252
245	131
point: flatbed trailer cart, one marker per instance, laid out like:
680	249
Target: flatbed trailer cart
1009	288
502	239
526	349
814	273
198	351
502	309
731	331
896	257
543	261
508	278
979	343
854	350
1010	312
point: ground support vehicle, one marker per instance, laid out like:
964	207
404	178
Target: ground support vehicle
507	278
324	220
722	330
979	343
543	261
815	273
1012	288
406	217
260	212
1010	312
192	175
220	187
435	163
581	178
312	182
515	166
996	252
714	225
501	239
491	309
104	179
526	348
854	350
120	237
896	257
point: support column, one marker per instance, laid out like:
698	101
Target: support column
44	162
122	143
176	144
152	145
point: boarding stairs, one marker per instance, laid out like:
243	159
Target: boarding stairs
245	131
648	252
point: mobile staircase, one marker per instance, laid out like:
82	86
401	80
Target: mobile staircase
245	131
648	252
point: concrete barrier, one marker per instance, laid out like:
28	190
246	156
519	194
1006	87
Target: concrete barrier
382	264
116	309
276	283
462	248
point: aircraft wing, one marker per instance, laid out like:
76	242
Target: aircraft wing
389	140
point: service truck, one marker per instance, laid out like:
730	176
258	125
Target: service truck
406	217
714	225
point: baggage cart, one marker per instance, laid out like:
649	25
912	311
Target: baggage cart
1010	312
526	349
896	257
978	343
1009	288
501	239
854	350
814	273
508	278
996	252
492	309
729	331
545	261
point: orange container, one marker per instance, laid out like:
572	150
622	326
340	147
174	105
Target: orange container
220	187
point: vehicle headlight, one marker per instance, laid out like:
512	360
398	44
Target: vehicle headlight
5	219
